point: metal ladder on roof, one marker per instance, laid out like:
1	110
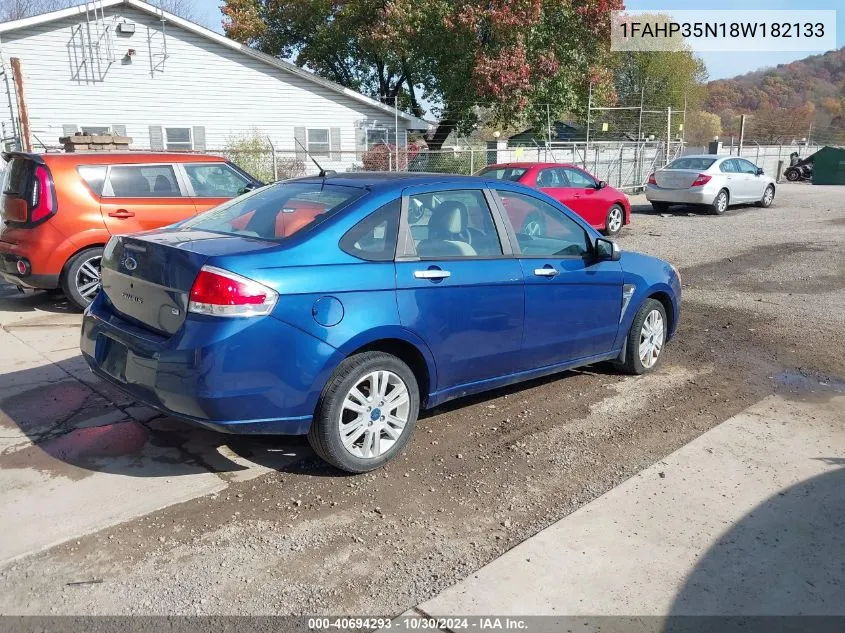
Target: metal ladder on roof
92	48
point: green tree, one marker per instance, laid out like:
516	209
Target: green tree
701	127
502	55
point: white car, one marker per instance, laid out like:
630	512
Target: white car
712	181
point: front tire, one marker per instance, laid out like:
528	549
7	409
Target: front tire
646	338
614	221
720	202
768	197
81	278
367	412
792	174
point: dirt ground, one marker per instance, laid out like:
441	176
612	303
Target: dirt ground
763	312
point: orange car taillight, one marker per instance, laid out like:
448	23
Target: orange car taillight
43	202
218	292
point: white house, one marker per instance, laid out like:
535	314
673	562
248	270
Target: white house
126	67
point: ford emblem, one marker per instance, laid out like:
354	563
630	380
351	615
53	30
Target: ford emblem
130	264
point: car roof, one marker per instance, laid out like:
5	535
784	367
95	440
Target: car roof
379	179
108	158
528	164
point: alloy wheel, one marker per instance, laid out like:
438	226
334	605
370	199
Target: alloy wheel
722	202
374	414
768	196
88	278
651	338
614	220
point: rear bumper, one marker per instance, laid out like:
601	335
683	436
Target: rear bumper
9	272
258	376
698	195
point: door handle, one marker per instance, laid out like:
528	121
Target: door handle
432	274
122	213
546	272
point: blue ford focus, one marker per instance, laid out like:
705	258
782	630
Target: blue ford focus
338	307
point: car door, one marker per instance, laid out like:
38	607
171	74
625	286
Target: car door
457	286
733	180
752	184
572	301
210	184
143	197
586	198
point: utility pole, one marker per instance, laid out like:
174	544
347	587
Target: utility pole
668	133
741	134
549	124
26	142
396	126
809	135
589	107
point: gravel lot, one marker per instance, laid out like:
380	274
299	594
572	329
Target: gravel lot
763	312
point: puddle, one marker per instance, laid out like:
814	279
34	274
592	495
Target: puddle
810	382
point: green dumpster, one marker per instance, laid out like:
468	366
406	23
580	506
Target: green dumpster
829	166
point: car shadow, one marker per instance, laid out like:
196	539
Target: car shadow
13	300
785	557
679	210
61	420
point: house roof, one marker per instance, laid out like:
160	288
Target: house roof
414	123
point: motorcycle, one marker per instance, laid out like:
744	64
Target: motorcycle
799	168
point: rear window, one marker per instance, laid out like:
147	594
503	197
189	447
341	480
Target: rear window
277	211
691	163
503	173
17	177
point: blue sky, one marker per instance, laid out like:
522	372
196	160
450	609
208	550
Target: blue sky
719	65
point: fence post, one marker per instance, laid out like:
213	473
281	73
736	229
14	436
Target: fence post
621	152
471	161
273	155
390	161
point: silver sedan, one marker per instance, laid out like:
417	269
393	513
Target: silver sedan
711	181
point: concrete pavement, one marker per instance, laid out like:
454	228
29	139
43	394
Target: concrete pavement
748	519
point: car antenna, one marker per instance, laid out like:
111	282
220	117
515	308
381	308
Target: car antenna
324	173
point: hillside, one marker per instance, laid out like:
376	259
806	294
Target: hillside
786	99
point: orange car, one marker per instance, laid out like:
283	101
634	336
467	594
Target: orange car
59	210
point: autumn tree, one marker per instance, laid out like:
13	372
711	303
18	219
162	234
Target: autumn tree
505	56
701	127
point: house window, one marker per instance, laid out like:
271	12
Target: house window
96	130
178	138
318	142
376	136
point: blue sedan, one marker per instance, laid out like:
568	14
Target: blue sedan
340	306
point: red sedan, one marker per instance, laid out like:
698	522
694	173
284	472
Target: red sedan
604	207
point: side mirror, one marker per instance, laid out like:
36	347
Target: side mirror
759	171
607	250
601	184
250	186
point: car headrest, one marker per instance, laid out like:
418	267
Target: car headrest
450	218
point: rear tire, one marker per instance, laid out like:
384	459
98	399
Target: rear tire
792	174
768	197
720	202
356	427
660	207
81	277
614	221
646	339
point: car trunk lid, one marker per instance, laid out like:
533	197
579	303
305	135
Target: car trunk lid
147	278
676	178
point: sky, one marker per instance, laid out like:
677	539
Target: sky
719	65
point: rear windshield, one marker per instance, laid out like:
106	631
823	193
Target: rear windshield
16	178
276	211
503	173
691	163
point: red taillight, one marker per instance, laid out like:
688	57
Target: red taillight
43	199
219	292
701	179
651	179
